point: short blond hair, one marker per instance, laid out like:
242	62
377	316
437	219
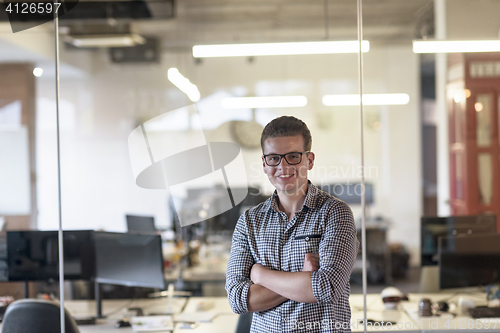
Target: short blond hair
286	126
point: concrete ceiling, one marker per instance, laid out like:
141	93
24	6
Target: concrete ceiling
230	21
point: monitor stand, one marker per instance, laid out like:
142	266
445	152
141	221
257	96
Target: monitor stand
98	301
26	289
429	279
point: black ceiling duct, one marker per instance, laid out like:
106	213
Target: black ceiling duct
73	11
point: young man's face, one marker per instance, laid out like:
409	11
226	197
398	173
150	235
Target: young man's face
285	177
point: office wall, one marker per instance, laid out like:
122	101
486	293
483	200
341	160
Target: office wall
101	109
476	19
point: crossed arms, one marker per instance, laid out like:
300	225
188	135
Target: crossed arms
272	288
253	287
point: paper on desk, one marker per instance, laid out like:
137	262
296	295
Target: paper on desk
416	317
195	317
152	324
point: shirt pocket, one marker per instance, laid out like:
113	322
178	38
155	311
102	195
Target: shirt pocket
309	242
302	244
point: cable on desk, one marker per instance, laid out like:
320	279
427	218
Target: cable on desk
463	293
185	304
360	308
119	309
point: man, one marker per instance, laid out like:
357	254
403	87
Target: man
292	255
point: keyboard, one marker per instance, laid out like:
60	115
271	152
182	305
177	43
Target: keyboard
484	312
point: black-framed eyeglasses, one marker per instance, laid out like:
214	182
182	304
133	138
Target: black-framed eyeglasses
292	158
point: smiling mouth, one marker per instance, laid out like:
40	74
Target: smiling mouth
285	176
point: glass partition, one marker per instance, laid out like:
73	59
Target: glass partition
27	132
150	132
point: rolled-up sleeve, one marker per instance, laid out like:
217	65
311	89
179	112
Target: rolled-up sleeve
238	269
337	252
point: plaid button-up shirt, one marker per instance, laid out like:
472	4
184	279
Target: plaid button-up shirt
263	235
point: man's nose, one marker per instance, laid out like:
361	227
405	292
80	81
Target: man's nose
283	162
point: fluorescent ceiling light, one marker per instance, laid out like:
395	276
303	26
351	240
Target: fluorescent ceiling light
184	84
456	46
263	49
264	102
368	99
125	40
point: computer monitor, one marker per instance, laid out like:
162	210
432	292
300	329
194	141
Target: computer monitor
431	228
350	193
227	220
33	255
214	198
129	259
469	261
143	224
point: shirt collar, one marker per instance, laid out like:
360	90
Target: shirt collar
309	202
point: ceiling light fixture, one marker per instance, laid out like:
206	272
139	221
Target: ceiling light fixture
38	71
263	102
368	99
184	84
126	40
456	46
264	49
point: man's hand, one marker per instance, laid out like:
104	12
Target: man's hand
255	272
311	262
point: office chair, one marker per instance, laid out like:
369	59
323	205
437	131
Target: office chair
36	316
244	323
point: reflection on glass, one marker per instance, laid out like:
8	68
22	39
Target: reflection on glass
498	116
459	121
459	175
14	160
485	176
10	114
483	123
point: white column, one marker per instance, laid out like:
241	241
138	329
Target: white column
443	163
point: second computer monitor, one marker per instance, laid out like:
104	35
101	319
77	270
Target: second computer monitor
431	228
34	255
129	259
469	261
141	224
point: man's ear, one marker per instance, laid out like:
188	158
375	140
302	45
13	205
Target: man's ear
310	159
263	165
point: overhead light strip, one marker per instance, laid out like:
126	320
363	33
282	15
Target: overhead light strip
456	46
267	49
191	90
368	99
264	102
126	40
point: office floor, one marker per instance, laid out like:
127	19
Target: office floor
410	284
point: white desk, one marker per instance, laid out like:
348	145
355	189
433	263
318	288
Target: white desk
220	324
407	319
224	321
83	308
376	311
104	326
448	323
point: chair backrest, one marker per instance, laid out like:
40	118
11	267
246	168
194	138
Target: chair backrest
244	323
36	316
